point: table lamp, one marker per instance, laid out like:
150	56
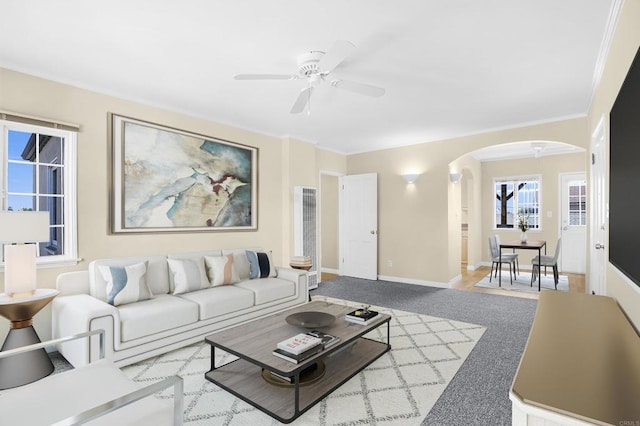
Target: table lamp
21	227
21	301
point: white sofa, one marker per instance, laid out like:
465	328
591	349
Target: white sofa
143	329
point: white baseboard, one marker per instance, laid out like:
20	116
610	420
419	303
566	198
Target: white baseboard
455	279
330	271
414	281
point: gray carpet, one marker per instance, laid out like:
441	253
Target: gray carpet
479	393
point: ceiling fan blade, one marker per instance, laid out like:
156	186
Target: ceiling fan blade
301	102
340	50
361	88
264	77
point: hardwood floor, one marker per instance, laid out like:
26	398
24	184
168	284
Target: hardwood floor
469	278
325	276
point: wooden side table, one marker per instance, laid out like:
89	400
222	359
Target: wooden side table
18	370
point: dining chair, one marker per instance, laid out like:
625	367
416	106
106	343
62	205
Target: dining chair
497	260
546	261
513	254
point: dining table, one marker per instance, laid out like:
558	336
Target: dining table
524	245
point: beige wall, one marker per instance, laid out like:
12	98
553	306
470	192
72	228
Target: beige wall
470	202
299	161
415	228
622	51
549	168
283	164
329	221
330	166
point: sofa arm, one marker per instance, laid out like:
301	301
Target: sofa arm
81	313
297	276
69	283
69	399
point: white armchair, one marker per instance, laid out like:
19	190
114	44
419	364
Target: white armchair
98	392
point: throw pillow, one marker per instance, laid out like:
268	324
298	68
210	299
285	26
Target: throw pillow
126	284
221	270
188	275
260	264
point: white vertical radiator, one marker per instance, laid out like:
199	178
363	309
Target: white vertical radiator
305	225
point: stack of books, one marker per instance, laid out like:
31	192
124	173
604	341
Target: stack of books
298	348
327	339
304	345
362	316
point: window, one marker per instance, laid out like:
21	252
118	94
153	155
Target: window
517	196
38	173
577	203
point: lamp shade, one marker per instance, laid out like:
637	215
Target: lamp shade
19	269
24	227
20	260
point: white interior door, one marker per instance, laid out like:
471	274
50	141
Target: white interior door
596	281
359	226
573	222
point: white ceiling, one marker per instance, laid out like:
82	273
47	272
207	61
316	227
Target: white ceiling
450	67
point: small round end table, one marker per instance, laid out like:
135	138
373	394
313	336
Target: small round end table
18	370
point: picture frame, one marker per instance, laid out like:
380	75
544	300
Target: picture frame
165	179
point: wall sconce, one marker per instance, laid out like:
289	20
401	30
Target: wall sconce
410	177
455	177
20	259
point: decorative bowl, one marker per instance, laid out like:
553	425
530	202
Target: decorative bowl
311	319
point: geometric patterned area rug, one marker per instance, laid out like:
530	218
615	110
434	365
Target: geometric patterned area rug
397	389
523	282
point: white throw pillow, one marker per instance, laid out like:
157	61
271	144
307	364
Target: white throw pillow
126	284
188	275
221	270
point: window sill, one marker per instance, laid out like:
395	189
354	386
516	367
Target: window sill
57	263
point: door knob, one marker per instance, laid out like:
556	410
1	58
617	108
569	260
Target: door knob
565	228
373	232
599	246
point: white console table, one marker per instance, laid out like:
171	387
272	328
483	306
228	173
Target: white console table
581	365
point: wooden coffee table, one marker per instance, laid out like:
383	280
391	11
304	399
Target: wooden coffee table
253	343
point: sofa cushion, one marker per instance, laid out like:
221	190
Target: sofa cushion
157	274
268	289
161	313
260	264
216	301
221	270
126	284
190	255
240	261
188	275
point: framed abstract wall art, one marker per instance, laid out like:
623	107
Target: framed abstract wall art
168	180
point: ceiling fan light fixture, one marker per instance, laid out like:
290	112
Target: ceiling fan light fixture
537	147
308	63
315	66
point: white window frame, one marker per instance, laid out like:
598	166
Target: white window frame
70	224
514	179
581	184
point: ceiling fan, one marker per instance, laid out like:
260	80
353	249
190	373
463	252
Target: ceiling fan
315	66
